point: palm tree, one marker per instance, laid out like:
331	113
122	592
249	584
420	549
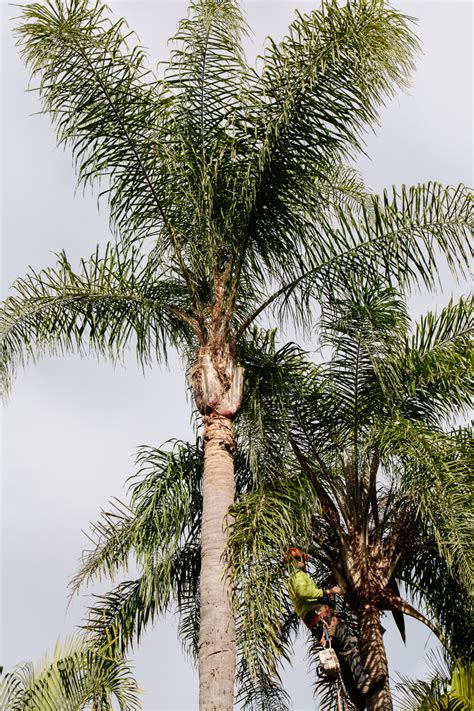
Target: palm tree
158	530
228	194
379	492
449	688
78	676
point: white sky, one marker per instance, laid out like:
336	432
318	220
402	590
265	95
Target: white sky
72	426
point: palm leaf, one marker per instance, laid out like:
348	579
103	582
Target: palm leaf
398	237
76	676
432	369
104	103
449	688
323	85
114	301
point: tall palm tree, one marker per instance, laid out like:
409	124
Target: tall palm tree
78	676
379	488
159	528
228	194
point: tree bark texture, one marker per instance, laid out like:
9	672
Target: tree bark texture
373	653
217	635
381	699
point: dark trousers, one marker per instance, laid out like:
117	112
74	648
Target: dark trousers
346	647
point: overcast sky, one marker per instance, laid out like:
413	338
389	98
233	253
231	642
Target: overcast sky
72	426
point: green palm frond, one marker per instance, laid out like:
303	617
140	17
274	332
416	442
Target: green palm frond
432	586
449	687
77	677
119	617
189	603
378	374
322	85
163	515
262	694
114	301
398	237
265	522
361	328
273	376
113	538
417	221
342	188
433	369
436	478
159	531
211	136
105	104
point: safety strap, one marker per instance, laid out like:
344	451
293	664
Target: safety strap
326	634
315	620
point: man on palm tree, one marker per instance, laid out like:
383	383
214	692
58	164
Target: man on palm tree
316	607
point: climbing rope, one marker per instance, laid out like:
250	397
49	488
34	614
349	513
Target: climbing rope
342	695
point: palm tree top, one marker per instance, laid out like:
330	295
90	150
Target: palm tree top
227	188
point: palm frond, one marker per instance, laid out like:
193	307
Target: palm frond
210	137
119	617
399	237
105	104
431	372
262	694
448	688
115	300
164	513
265	522
436	478
421	222
274	376
76	676
323	85
159	531
361	327
433	587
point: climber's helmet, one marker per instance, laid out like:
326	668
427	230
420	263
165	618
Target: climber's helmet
296	555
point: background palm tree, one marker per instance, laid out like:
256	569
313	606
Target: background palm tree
78	676
380	489
209	207
450	687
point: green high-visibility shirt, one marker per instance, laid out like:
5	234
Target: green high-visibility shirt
304	593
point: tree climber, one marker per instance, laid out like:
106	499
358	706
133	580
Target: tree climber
316	608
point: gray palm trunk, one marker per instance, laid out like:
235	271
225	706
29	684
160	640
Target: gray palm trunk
217	382
217	636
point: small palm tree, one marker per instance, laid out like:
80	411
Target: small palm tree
77	677
449	688
378	486
228	194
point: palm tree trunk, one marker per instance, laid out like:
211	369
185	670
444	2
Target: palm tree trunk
373	654
217	636
381	699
